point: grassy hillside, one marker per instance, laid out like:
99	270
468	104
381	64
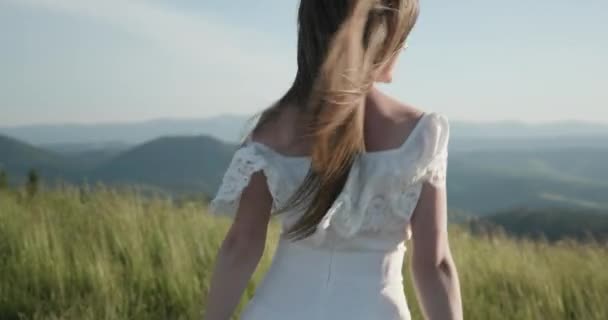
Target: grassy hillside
108	254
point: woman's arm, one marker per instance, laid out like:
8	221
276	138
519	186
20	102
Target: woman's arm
433	268
241	250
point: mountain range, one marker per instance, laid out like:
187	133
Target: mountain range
486	173
231	128
226	127
551	224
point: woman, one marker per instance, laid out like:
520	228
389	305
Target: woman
353	174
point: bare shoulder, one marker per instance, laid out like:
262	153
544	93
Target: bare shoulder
278	133
406	114
389	122
266	133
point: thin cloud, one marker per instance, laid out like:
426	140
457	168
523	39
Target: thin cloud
218	67
186	35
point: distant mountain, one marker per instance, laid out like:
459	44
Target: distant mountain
178	164
80	148
485	181
17	158
231	128
174	164
88	155
480	181
226	127
480	143
549	224
514	129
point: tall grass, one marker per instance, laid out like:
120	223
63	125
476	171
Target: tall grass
108	254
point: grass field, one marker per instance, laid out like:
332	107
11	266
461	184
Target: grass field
108	254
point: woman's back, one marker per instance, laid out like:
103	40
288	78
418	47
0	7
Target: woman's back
350	172
357	250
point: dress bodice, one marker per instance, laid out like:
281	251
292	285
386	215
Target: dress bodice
381	192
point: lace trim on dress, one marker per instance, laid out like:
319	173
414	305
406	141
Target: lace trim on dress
363	207
245	162
377	196
437	172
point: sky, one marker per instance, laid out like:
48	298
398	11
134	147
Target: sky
91	61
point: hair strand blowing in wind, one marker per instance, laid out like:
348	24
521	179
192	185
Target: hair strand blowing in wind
342	44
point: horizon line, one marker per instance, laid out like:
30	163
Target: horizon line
248	117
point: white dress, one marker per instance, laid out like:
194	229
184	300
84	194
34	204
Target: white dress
351	267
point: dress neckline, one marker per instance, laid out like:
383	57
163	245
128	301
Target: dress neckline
369	154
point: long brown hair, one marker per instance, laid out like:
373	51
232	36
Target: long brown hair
341	44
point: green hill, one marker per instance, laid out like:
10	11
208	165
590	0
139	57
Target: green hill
550	224
17	158
88	155
179	164
224	127
483	182
479	181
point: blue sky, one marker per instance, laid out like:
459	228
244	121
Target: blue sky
132	60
